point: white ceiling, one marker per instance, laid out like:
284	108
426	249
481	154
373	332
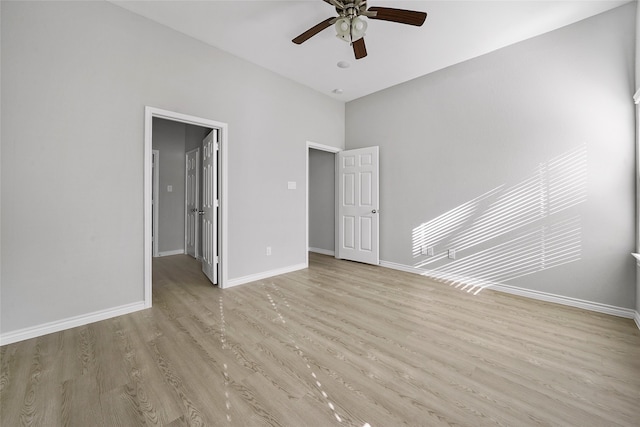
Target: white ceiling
455	31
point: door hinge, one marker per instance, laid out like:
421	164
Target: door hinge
216	203
217	146
216	260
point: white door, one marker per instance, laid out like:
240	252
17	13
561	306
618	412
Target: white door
358	205
209	210
192	187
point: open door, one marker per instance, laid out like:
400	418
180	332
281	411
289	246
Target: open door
192	187
209	212
358	205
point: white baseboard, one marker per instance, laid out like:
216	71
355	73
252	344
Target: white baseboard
71	322
264	275
572	302
401	267
322	251
543	296
169	253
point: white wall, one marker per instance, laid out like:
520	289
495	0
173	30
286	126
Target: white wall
76	77
491	123
322	200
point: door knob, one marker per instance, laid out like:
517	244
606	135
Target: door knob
200	212
374	211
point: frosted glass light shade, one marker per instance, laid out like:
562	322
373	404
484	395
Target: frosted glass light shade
358	28
343	29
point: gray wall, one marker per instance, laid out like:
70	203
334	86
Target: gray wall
194	136
322	200
515	148
76	77
169	139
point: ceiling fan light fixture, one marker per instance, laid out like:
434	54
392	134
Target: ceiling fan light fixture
343	29
358	28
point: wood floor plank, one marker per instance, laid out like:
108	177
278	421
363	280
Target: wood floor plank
337	344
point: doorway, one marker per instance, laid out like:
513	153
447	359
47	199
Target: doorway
321	200
222	130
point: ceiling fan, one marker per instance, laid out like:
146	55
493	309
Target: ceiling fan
350	26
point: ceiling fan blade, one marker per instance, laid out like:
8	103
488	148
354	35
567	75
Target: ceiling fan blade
409	17
314	30
359	48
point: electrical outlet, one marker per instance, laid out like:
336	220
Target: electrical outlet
452	254
268	250
427	250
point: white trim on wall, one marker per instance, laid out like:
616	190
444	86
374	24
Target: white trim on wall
265	275
173	252
149	114
320	147
542	296
322	251
71	322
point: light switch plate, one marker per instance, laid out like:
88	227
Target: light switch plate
291	185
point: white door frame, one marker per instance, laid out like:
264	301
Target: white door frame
330	149
156	202
149	114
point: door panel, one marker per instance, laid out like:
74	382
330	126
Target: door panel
209	206
358	206
349	232
349	190
366	197
366	230
192	223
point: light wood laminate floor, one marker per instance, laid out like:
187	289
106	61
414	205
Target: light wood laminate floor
338	344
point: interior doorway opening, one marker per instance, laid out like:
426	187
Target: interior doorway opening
321	199
152	115
177	197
